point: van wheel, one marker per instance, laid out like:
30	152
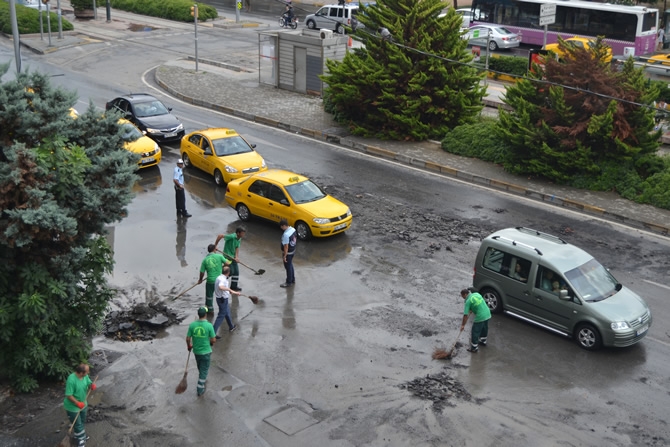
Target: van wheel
588	337
492	300
339	29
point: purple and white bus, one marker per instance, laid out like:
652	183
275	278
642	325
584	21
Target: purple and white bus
622	26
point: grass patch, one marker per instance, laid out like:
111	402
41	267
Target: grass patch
178	10
28	19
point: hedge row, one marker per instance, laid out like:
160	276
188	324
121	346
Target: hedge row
178	10
28	20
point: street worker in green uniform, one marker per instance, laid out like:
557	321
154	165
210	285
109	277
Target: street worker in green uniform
480	328
200	338
212	265
76	389
231	250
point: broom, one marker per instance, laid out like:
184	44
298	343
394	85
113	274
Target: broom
183	384
185	291
66	440
254	299
440	353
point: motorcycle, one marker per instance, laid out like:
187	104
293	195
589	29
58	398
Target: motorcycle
283	22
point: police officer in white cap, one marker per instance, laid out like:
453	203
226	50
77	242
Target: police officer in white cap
179	193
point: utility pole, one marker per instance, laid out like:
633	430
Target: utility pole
60	20
194	13
238	6
15	35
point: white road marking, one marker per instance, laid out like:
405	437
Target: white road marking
657	284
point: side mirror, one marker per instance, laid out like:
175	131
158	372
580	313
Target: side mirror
284	202
563	295
253	146
208	151
169	109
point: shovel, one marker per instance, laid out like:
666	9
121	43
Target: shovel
258	272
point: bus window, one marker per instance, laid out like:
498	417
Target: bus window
649	22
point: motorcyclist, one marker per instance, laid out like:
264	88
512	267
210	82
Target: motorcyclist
288	13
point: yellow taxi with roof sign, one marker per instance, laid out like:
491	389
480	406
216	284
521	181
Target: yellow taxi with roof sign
278	194
138	143
221	152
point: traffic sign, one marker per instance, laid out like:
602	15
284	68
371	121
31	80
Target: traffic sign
547	20
547	9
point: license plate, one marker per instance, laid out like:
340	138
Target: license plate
642	330
148	160
171	134
339	227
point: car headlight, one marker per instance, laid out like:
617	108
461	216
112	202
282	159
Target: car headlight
620	326
230	169
157	148
263	164
348	212
180	127
321	220
150	130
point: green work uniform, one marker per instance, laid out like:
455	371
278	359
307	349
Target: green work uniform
200	332
230	246
77	388
480	328
212	265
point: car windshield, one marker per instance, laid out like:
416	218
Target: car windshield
150	108
230	146
130	132
592	281
304	192
503	31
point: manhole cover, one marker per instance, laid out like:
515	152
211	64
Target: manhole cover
291	421
138	27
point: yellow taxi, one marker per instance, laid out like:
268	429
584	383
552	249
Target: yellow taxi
577	42
138	143
661	58
277	194
222	153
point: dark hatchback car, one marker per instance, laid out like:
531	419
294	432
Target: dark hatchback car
149	115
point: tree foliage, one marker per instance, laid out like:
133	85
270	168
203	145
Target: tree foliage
591	132
399	88
62	179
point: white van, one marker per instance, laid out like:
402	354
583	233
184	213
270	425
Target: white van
333	17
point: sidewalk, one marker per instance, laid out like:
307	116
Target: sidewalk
244	97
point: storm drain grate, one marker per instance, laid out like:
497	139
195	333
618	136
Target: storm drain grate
291	421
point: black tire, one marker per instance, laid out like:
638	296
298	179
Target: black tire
187	161
218	178
243	212
493	300
294	24
281	22
493	46
339	29
588	337
303	230
311	24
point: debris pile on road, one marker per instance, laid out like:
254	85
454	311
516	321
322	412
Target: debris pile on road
140	323
439	388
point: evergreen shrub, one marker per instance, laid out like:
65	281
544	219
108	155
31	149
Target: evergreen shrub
477	140
512	65
179	10
28	19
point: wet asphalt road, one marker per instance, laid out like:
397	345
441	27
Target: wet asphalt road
368	310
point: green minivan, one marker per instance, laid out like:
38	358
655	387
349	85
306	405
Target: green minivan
542	279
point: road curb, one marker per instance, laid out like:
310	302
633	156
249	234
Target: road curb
426	165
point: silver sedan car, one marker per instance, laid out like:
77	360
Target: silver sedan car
501	37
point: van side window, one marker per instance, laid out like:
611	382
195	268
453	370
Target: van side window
519	268
493	259
548	280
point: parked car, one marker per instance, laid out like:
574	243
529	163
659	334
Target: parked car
333	17
578	42
222	153
501	37
138	143
277	194
542	279
149	115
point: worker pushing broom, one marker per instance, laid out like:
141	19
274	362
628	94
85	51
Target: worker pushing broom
474	303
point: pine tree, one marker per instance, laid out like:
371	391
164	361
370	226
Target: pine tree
598	122
417	85
62	179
